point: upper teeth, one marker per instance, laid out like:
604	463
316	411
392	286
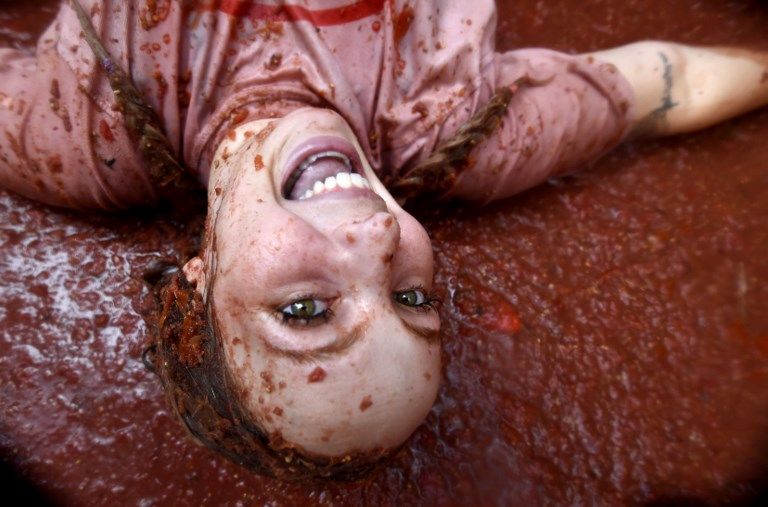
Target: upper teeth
341	180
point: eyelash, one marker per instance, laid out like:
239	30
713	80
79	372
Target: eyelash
291	320
429	300
427	306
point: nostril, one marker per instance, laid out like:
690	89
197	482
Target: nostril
379	231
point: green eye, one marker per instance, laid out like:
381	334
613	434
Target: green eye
411	297
304	309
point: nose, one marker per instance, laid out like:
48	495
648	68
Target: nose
375	238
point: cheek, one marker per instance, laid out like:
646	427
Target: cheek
263	259
250	369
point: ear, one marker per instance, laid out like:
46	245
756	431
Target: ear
195	273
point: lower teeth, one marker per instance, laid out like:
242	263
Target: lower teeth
341	181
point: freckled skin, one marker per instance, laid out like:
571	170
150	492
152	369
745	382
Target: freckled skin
343	381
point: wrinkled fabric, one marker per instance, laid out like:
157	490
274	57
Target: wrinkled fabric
405	75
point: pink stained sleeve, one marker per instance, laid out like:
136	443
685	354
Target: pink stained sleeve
62	138
569	111
57	146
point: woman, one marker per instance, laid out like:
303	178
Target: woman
302	340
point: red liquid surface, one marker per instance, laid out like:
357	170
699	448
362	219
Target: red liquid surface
605	336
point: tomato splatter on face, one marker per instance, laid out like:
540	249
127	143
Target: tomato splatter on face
317	375
258	162
266	381
366	403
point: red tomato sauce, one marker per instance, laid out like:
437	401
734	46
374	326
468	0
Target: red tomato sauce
605	335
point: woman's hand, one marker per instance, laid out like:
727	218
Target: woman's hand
681	88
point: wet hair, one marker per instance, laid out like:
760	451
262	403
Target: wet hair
187	355
434	177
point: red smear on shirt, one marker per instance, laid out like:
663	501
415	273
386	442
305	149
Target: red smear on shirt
106	131
154	13
402	23
290	12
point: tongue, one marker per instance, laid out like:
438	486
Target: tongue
318	171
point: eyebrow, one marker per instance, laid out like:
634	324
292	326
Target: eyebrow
346	341
338	346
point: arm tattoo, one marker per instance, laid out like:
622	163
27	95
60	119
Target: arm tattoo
657	118
666	100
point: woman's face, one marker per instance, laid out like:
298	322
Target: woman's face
320	288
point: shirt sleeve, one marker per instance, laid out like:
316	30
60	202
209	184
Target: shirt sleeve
567	111
64	141
442	67
58	146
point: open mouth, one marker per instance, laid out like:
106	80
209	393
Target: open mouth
324	166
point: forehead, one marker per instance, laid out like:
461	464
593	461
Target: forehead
351	386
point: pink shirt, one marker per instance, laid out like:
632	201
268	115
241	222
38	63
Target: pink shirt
405	75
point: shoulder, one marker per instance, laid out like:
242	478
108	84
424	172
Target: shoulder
433	76
138	35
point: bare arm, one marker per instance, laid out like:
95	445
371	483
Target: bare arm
681	88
